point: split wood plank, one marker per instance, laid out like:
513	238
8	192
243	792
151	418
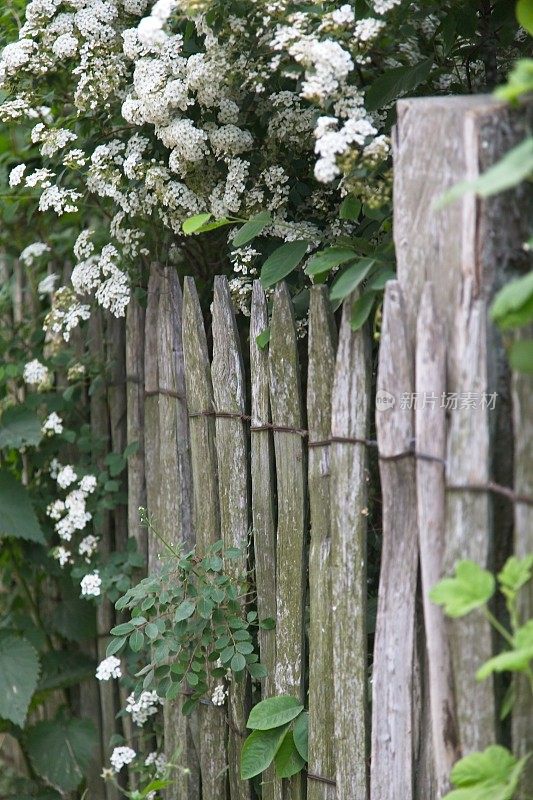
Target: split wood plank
522	729
348	482
263	507
229	390
175	500
135	325
394	646
206	518
322	351
468	522
151	410
431	439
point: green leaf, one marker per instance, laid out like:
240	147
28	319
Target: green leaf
288	760
257	671
524	15
19	427
154	786
327	259
513	305
514	167
192	224
19	673
263	339
259	749
122	629
17	517
282	261
267	624
184	610
274	711
491	775
377	281
61	751
252	228
152	631
361	309
516	660
115	645
238	662
521	356
301	735
471	588
136	641
351	278
516	572
350	208
75	619
519	81
395	83
61	669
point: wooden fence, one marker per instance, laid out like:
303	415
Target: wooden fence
276	449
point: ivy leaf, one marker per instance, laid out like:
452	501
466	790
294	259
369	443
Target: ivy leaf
274	711
288	760
361	309
491	775
516	572
17	517
61	751
259	749
513	305
301	735
19	427
194	223
251	229
19	673
471	588
327	259
351	278
282	261
395	83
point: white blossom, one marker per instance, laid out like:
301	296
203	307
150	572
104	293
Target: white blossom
66	476
36	374
108	668
53	424
121	756
143	707
90	584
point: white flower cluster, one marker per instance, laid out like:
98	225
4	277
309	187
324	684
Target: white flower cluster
101	275
143	707
32	252
157	760
218	698
70	515
90	584
47	285
53	424
121	757
108	668
36	374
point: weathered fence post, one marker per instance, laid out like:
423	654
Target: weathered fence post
286	401
206	516
232	453
135	324
350	418
322	351
467	249
393	710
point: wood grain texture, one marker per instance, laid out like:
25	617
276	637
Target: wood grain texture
522	728
229	390
322	351
392	679
135	323
151	409
286	404
431	439
206	518
263	507
350	417
468	523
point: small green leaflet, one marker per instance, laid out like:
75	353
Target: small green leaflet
282	261
350	208
273	712
361	309
491	775
513	305
263	339
329	258
184	610
251	229
17	517
193	224
351	278
514	167
395	83
471	588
